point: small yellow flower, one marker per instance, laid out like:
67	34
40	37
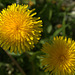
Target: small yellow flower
19	30
60	56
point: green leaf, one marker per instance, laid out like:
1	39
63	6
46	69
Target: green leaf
13	54
44	9
59	30
49	29
50	14
63	24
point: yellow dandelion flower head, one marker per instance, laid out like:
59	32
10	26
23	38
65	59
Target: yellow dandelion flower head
60	56
19	30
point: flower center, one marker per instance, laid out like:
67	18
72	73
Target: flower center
17	27
62	58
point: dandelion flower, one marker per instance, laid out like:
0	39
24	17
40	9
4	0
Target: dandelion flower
19	29
60	56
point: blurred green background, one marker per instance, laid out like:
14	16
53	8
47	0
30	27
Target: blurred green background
58	18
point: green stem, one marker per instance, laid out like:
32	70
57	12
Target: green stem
63	25
15	62
33	67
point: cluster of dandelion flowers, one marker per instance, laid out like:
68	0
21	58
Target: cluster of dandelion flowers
19	29
60	56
